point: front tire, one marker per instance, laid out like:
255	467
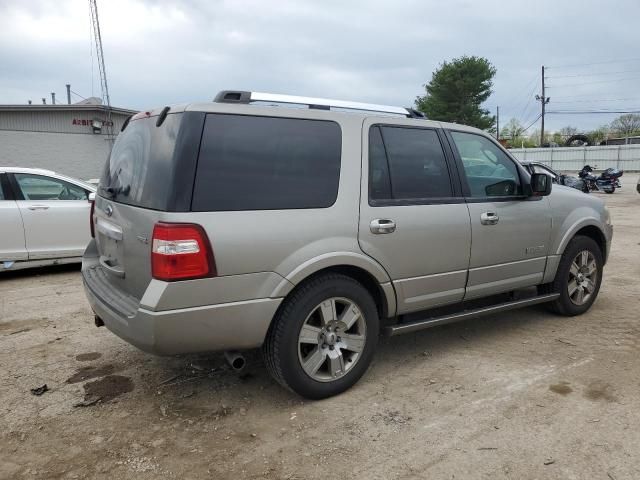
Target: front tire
610	190
578	277
323	337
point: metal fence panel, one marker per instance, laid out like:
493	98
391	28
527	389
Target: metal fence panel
626	157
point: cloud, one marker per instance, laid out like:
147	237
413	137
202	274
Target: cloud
160	52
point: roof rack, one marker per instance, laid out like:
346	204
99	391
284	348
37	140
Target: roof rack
238	96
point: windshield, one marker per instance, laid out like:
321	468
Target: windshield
141	162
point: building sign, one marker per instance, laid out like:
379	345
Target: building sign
89	123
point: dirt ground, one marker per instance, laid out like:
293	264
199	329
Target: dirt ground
521	395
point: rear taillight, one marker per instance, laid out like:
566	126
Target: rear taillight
91	219
181	251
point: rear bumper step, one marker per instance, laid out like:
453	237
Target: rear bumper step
456	317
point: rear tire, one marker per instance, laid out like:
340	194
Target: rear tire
578	277
323	338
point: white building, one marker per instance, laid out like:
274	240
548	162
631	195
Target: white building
71	139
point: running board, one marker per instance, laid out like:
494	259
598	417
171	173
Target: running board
456	317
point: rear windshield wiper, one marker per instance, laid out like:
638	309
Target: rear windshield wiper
107	191
111	192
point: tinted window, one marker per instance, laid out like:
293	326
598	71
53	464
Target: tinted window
1	188
38	187
380	182
414	166
267	163
488	170
141	163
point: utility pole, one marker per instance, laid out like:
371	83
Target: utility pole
68	85
498	123
543	99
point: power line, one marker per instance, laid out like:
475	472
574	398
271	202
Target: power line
602	100
532	123
596	63
590	112
594	74
597	81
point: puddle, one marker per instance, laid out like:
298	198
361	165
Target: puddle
87	357
107	388
562	388
87	373
600	391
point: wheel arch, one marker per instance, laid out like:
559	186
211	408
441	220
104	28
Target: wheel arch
588	229
359	267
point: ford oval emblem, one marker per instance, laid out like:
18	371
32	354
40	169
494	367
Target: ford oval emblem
108	210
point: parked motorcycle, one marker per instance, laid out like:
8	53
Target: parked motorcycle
607	182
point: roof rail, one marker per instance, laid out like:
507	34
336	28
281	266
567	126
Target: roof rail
237	96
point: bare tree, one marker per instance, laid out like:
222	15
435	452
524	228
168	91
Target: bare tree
568	131
626	125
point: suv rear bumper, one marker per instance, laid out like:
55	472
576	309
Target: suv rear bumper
225	326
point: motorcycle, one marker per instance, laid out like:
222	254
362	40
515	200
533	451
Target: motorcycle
607	182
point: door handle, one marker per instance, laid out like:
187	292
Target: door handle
382	225
489	218
38	207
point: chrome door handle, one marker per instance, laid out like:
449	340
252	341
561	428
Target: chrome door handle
38	207
382	225
489	218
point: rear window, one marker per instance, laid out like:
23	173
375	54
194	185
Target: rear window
267	163
141	163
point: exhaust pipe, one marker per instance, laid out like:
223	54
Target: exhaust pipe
236	360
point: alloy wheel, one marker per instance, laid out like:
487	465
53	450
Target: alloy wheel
331	339
583	276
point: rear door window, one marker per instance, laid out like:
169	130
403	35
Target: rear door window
407	164
267	163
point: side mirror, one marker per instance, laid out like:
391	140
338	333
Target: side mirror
92	196
540	184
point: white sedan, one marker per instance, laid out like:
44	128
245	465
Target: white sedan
44	218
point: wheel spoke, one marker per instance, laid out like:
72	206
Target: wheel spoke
584	258
591	267
309	334
350	315
589	286
328	311
353	343
572	287
574	269
336	363
580	296
314	361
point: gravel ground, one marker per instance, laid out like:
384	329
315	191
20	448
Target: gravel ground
520	395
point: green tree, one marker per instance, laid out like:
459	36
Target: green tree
599	134
457	91
512	129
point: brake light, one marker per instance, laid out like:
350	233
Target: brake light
181	251
91	219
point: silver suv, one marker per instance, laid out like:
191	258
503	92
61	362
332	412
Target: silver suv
308	227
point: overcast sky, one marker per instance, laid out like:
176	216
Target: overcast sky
162	52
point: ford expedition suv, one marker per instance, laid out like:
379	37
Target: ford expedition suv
308	227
